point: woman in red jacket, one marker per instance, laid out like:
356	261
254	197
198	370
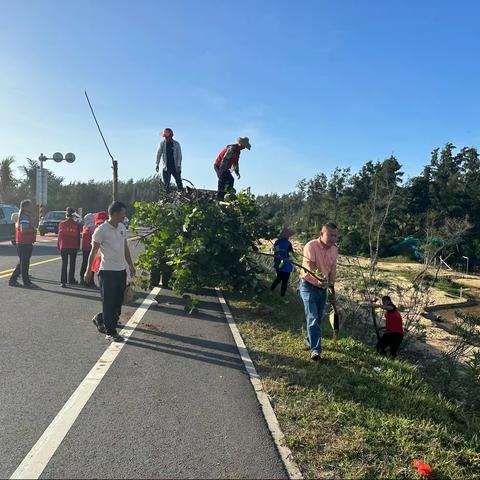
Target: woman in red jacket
25	237
68	243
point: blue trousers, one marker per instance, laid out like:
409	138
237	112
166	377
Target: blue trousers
314	299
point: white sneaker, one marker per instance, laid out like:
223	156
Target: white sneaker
114	338
315	356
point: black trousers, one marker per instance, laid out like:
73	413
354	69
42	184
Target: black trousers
112	285
69	255
24	252
162	270
225	183
83	268
167	175
392	340
281	277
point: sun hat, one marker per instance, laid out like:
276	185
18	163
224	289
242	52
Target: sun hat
244	142
286	233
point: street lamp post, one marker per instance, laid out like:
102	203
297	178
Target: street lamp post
467	259
41	184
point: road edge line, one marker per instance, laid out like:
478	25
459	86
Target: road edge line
285	453
37	459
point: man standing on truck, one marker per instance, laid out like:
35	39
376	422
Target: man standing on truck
228	160
170	153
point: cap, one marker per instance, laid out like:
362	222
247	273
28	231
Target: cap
100	217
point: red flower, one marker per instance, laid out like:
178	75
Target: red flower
422	468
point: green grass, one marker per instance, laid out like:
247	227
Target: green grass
354	414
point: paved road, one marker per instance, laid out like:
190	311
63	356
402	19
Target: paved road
176	403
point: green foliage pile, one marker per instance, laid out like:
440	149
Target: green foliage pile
205	242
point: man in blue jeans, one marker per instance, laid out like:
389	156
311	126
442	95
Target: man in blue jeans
320	258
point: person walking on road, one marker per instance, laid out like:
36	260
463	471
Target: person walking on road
282	249
99	219
319	257
170	153
68	244
110	238
25	236
226	161
87	232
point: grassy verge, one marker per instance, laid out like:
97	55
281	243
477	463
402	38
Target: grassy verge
354	414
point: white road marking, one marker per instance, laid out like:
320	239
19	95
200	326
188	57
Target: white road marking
37	459
267	409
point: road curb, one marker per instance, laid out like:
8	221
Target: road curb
278	437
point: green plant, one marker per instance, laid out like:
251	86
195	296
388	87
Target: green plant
205	243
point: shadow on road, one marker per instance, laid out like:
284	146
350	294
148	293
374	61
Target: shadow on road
190	353
38	251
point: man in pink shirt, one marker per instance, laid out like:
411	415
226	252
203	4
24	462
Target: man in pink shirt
319	257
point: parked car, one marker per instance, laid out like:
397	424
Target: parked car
49	223
7	225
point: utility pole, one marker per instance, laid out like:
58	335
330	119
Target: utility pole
114	162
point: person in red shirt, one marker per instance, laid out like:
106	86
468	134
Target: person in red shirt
68	244
228	160
25	236
87	232
393	335
100	217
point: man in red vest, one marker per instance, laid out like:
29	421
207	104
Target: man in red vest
25	236
68	243
228	160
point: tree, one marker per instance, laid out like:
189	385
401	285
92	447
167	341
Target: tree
8	182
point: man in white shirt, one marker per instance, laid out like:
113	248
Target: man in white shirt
111	239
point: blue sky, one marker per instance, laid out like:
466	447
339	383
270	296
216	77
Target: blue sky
314	84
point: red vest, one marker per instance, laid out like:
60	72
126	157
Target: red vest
24	238
68	234
86	239
233	159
